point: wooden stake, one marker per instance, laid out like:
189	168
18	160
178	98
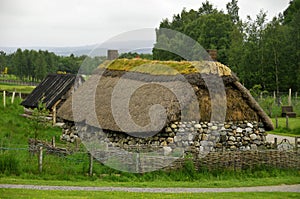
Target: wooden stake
4	99
53	141
40	159
20	95
13	97
91	165
290	97
77	141
287	122
276	119
274	95
297	142
54	115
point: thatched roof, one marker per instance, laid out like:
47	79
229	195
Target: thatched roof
52	89
145	87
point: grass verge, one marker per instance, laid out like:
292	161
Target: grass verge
23	193
203	183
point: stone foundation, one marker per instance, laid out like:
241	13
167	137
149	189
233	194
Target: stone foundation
197	137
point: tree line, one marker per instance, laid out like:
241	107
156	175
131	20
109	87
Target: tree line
259	51
32	65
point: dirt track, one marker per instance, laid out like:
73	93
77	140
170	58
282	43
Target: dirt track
279	188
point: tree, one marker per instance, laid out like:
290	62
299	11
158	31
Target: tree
253	57
236	52
291	11
3	62
19	63
206	9
208	26
233	11
40	67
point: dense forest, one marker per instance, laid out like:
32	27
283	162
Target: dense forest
34	65
259	51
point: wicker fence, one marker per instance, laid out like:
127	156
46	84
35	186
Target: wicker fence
219	160
239	160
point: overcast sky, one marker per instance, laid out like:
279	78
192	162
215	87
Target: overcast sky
86	22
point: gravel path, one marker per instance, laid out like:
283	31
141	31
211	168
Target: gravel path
270	138
279	188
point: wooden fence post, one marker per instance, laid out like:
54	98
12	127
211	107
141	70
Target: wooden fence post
20	95
77	142
275	143
13	97
276	120
54	116
53	141
290	97
40	159
287	122
4	98
91	164
297	142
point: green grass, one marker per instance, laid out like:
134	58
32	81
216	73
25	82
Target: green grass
273	110
17	88
163	181
23	193
293	130
15	129
18	166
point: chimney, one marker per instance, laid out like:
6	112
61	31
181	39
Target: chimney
213	53
112	54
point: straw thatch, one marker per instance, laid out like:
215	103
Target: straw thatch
92	102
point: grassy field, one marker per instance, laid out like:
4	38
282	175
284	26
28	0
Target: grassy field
18	166
17	88
293	130
22	193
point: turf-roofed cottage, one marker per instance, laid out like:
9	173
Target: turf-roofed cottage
53	91
136	86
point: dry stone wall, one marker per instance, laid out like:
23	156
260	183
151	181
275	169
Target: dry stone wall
197	137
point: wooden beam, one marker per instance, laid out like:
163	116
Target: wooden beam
255	106
54	112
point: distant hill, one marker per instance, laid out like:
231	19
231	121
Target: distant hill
138	46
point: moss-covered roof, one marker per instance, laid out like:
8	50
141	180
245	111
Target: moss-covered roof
155	67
